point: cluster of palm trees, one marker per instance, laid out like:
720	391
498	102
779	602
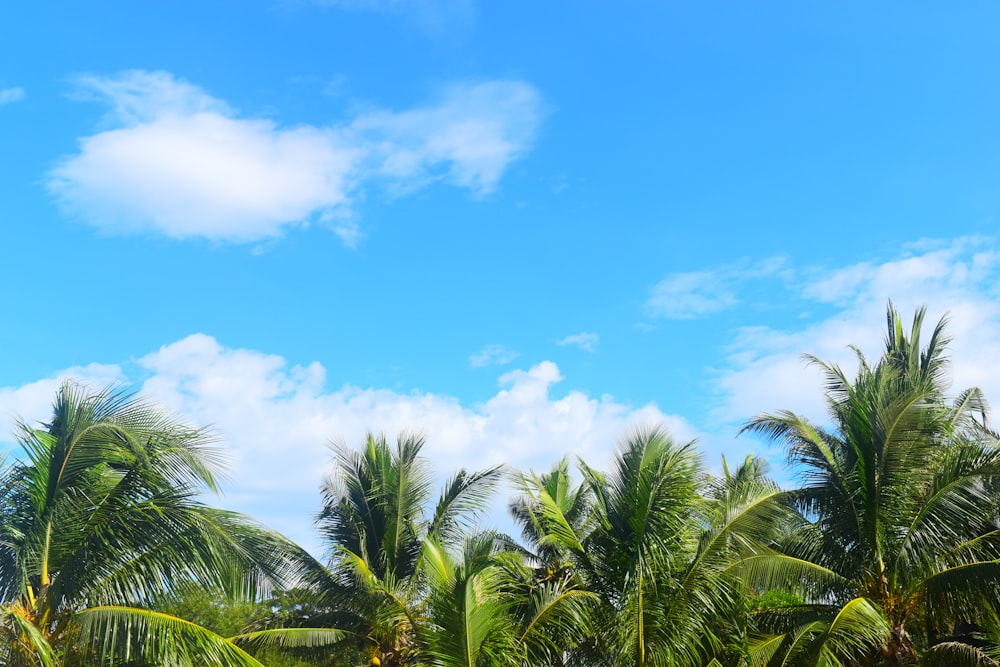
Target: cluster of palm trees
887	552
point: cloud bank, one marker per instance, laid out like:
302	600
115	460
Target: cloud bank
278	420
180	163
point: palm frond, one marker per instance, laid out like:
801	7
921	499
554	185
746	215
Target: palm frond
282	638
858	628
959	654
465	497
23	643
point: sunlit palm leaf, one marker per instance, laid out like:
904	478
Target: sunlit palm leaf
139	634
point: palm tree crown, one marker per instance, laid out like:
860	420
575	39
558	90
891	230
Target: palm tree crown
894	505
653	540
99	517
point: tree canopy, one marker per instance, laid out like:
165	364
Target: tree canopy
885	551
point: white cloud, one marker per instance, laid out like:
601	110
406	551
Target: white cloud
137	97
765	370
178	162
585	341
11	95
468	138
493	355
279	419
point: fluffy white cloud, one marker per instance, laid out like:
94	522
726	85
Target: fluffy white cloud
493	355
765	368
11	95
278	421
182	163
585	341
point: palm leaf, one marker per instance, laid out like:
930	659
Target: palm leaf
140	634
291	638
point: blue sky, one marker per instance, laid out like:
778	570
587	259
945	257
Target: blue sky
518	228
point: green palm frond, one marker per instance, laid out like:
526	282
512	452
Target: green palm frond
129	634
858	627
465	496
761	650
553	514
958	654
283	638
898	498
554	620
774	570
470	624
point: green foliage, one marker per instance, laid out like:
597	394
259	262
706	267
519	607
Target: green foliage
212	610
775	598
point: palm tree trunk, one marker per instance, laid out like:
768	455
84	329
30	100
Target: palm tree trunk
900	650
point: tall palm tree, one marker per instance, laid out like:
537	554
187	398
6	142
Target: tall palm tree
100	515
893	542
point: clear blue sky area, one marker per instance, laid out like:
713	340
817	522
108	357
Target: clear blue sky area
519	227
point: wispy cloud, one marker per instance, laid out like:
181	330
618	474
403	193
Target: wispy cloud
493	355
689	295
585	341
178	162
764	369
11	95
434	17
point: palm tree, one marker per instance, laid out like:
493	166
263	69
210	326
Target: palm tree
655	548
893	538
375	520
98	517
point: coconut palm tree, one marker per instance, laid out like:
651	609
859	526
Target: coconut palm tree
655	547
894	540
100	515
376	520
